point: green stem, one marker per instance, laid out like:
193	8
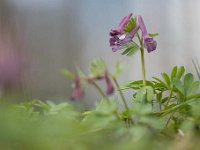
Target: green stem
143	66
100	91
142	59
190	99
169	119
123	98
160	106
194	96
104	96
121	94
168	99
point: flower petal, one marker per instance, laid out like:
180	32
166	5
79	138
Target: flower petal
142	26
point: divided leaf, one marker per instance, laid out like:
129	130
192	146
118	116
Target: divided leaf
188	86
180	72
167	79
179	85
97	67
135	84
160	84
130	48
174	72
119	68
68	74
145	94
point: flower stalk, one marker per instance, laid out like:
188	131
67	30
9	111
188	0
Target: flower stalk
123	99
143	65
142	59
104	96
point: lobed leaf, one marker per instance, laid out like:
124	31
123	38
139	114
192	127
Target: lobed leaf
167	79
68	74
174	72
119	68
180	72
130	49
97	67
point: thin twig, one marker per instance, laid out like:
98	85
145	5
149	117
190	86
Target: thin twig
123	98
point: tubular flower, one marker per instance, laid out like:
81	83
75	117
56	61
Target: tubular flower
119	37
118	41
77	90
149	43
110	87
122	24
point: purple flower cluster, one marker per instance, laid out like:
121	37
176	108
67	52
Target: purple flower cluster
119	38
78	91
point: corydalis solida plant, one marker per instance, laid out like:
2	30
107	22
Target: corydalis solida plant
147	92
122	39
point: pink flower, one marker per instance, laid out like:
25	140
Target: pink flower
110	88
119	37
77	90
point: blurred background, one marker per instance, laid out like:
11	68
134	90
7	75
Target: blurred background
40	38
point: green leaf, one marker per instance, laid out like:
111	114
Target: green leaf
188	80
80	72
97	67
164	100
169	107
141	108
153	34
145	94
87	113
190	86
119	68
159	96
193	89
68	74
135	84
153	122
176	107
131	25
141	95
106	108
180	72
179	85
167	79
173	73
159	86
130	49
161	82
150	93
